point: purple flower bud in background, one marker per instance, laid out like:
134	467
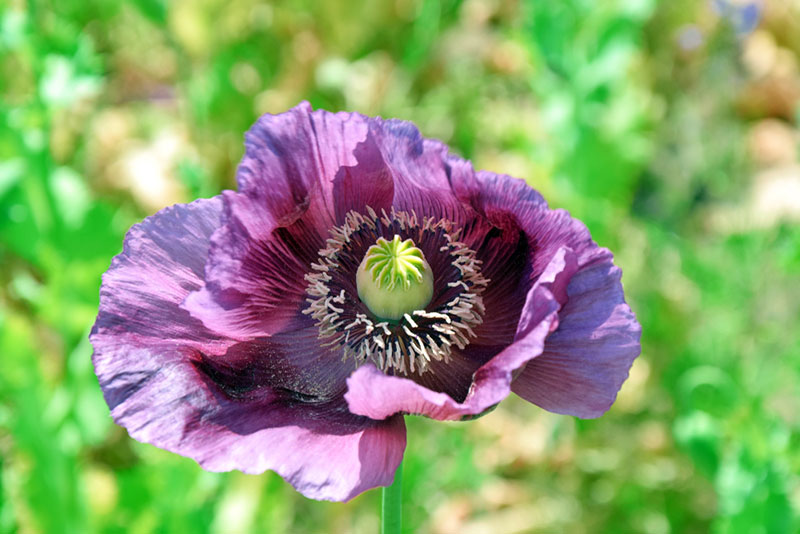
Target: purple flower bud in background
361	273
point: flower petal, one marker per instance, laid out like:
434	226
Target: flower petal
493	195
455	377
293	362
161	262
590	350
375	395
313	161
321	449
368	183
509	204
586	360
148	354
516	237
378	396
254	286
504	255
419	169
301	173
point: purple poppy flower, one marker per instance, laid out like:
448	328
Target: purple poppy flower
231	330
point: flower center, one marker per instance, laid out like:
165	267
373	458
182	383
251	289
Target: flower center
394	279
427	285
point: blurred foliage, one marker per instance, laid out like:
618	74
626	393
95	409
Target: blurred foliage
670	128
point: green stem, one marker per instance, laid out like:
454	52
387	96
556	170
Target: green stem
392	504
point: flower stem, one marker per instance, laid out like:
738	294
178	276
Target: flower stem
392	504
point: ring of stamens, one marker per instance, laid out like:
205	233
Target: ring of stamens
408	345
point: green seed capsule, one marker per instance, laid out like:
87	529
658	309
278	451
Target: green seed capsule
394	279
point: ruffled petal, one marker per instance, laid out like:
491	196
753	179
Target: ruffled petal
302	172
321	449
149	356
378	396
574	363
510	205
255	286
586	360
161	262
368	183
495	196
515	236
455	376
419	169
315	162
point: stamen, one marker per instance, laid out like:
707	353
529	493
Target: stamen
410	321
410	340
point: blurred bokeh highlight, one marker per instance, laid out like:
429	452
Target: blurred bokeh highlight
670	128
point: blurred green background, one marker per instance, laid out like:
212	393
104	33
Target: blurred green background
670	127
